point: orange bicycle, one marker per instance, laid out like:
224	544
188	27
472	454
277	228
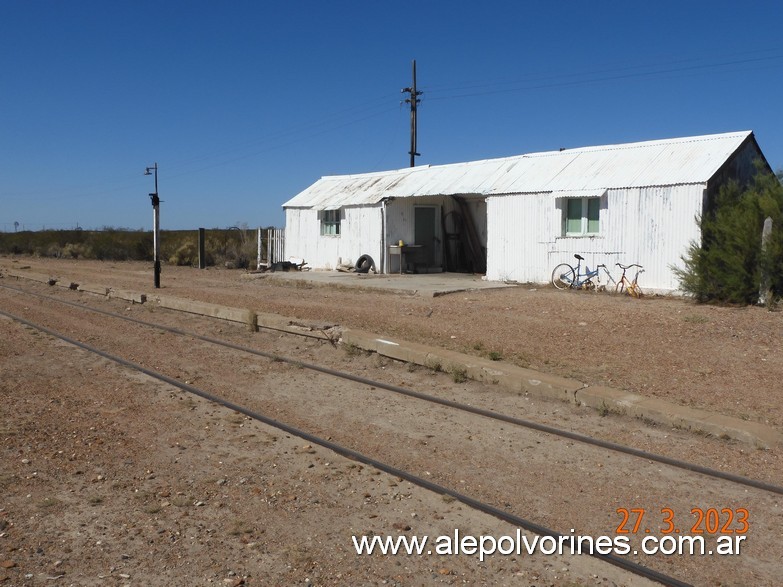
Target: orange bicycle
625	285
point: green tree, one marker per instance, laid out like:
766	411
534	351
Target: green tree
727	264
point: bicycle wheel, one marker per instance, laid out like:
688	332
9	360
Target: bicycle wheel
635	290
563	276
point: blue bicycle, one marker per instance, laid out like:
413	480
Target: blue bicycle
566	277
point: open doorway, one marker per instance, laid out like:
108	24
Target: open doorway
426	220
465	236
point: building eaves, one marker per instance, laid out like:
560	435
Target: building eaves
688	160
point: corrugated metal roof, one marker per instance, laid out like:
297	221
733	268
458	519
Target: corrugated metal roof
580	193
685	160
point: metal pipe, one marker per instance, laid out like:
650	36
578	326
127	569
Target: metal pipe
156	225
384	247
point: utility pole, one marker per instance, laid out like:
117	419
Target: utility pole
156	223
414	102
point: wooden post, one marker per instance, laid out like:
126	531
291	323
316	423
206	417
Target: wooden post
258	255
414	102
764	292
414	122
202	249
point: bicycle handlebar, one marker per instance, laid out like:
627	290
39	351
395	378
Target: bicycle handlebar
626	267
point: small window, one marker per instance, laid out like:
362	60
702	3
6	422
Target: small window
581	216
573	223
330	222
593	214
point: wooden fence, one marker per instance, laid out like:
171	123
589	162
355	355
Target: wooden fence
271	246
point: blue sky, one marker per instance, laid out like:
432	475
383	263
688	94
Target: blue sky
245	103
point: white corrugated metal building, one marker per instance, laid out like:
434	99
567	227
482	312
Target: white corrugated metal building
516	218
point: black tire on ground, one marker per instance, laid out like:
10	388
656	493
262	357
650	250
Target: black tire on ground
364	264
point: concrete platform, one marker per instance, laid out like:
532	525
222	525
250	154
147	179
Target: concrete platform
241	315
39	277
517	379
422	284
556	388
127	295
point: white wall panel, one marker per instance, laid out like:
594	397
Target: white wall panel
517	229
360	233
653	226
400	215
650	226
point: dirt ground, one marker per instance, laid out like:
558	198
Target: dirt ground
109	477
725	359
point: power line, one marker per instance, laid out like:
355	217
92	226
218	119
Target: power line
524	84
342	118
277	144
380	105
335	121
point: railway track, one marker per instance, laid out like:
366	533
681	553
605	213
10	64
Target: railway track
486	413
403	473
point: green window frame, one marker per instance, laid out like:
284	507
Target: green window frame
330	222
582	216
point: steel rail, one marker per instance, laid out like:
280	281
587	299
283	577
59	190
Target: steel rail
632	567
575	436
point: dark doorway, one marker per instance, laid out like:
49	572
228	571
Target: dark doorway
424	233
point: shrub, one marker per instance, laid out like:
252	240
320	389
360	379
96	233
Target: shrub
75	251
233	246
727	265
186	254
459	374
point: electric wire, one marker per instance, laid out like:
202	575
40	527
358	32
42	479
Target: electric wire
375	107
557	80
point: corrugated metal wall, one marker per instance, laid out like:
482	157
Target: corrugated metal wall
360	234
400	215
653	227
650	226
300	226
519	231
361	231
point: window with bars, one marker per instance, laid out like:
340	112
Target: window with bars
330	222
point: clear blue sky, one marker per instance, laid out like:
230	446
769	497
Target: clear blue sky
245	103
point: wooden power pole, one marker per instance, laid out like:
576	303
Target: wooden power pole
414	102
